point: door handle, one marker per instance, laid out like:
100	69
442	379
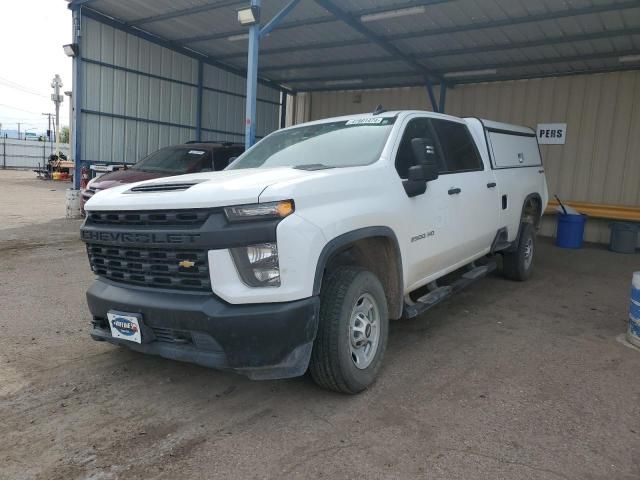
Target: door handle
491	185
454	191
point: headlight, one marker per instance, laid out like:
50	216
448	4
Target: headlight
258	264
259	211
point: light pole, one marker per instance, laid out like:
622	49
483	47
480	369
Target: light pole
57	99
49	115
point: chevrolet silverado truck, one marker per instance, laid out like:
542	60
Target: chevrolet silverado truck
297	255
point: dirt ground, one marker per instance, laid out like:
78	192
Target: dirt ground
504	381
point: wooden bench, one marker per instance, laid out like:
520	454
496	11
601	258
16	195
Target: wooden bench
597	210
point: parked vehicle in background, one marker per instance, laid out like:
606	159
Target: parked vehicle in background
298	254
191	157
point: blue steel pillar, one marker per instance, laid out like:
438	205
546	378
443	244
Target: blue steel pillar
443	96
255	32
76	98
252	81
432	97
199	101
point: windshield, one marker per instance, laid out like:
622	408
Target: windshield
175	160
347	143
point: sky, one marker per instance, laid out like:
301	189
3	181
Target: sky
31	37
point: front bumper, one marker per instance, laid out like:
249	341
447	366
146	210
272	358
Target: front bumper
261	341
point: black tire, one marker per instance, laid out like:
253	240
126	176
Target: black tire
332	366
514	264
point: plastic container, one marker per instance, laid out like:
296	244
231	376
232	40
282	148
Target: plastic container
624	237
55	176
570	230
633	333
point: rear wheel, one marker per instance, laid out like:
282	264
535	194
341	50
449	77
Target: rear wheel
352	333
518	265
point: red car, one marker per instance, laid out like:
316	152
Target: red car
190	157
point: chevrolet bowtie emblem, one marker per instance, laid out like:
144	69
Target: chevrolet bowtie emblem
187	264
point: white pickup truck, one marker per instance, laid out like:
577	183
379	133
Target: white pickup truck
298	254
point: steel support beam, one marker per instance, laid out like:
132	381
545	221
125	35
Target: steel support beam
561	73
354	76
277	19
544	61
443	97
199	101
76	98
252	81
356	25
255	32
186	11
78	3
283	109
432	96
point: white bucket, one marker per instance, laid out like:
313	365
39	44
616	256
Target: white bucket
73	203
636	280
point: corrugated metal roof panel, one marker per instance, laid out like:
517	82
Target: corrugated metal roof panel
445	26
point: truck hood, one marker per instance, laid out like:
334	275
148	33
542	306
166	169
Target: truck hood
203	190
121	177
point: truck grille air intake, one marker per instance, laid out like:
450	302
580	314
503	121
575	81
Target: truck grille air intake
151	267
168	218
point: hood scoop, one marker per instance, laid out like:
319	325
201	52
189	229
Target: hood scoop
164	187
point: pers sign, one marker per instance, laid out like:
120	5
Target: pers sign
552	133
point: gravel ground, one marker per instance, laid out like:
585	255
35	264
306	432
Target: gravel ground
504	381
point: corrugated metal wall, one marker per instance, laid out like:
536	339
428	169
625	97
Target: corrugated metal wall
138	96
600	161
16	153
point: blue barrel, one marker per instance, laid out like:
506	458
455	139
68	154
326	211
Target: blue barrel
570	230
633	333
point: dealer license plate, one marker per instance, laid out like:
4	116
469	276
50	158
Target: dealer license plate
125	326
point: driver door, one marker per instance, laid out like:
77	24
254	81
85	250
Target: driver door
430	236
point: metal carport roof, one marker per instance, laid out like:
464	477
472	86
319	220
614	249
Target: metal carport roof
331	44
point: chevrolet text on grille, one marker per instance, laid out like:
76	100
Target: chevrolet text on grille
129	237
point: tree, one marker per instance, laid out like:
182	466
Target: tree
64	135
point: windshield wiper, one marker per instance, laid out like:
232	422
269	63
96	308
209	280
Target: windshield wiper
313	166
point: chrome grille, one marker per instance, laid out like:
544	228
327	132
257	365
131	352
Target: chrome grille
151	267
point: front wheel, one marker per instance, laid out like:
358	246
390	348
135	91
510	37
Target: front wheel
352	333
518	265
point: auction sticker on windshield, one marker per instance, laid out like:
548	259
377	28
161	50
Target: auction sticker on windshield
365	121
125	326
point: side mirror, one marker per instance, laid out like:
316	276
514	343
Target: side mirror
416	184
424	153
